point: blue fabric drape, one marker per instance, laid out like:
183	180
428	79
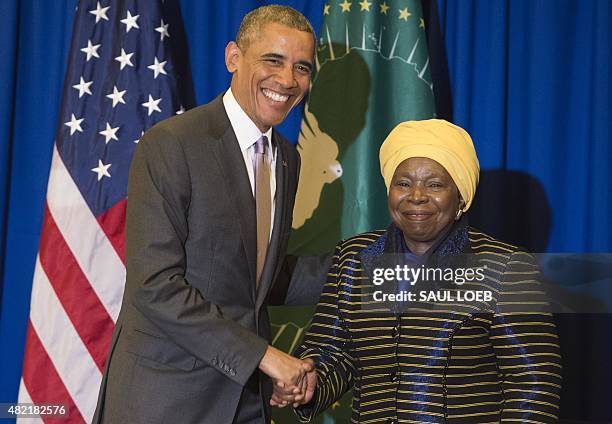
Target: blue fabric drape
530	82
528	79
34	51
7	89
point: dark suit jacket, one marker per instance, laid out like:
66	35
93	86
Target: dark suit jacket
193	327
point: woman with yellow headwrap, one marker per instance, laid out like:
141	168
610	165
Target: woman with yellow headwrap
432	320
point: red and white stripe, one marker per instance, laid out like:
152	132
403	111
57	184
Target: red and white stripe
76	297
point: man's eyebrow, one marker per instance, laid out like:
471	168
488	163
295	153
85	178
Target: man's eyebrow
273	56
281	57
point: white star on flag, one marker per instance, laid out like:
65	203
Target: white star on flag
116	96
74	124
109	133
130	22
158	68
100	12
101	170
83	87
91	50
163	30
181	110
152	105
138	139
124	59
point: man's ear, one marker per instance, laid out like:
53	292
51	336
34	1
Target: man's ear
232	54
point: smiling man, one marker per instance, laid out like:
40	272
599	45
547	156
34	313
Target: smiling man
271	67
211	195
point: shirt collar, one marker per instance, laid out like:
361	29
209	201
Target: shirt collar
245	129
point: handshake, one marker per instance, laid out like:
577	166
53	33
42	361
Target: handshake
294	380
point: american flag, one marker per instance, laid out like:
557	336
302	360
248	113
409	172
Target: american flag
121	79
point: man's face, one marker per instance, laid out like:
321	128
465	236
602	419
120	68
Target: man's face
273	74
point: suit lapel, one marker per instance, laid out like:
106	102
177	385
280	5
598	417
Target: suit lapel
231	163
279	221
229	158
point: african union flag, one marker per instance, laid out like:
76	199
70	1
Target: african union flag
371	73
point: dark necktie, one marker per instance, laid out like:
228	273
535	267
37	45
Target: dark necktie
263	202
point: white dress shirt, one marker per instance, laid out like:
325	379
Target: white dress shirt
247	134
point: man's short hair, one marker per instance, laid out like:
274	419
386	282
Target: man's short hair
256	19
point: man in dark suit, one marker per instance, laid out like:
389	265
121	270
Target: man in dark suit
211	195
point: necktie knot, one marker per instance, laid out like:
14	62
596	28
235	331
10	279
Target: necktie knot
261	145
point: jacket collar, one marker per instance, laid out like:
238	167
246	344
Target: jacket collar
455	242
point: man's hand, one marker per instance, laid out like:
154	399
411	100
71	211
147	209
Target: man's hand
283	396
285	370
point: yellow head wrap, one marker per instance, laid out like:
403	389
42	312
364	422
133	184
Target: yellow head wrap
436	139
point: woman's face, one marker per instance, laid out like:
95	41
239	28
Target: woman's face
423	202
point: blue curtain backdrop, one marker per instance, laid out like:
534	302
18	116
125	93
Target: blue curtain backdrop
529	79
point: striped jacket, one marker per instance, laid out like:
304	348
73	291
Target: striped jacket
497	362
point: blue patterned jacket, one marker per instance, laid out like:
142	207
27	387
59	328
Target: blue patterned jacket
495	361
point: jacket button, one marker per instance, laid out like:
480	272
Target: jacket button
394	332
391	421
393	376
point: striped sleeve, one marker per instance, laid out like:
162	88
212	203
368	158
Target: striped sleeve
325	343
526	345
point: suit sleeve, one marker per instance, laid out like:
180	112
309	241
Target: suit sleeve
526	345
326	344
159	193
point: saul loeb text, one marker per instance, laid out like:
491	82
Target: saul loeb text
460	284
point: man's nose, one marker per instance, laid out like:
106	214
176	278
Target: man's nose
286	77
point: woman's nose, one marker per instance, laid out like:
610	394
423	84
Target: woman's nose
417	195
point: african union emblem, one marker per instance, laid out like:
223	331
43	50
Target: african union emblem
372	72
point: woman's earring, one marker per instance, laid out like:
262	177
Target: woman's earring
458	215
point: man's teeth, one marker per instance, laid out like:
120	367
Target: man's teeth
275	96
